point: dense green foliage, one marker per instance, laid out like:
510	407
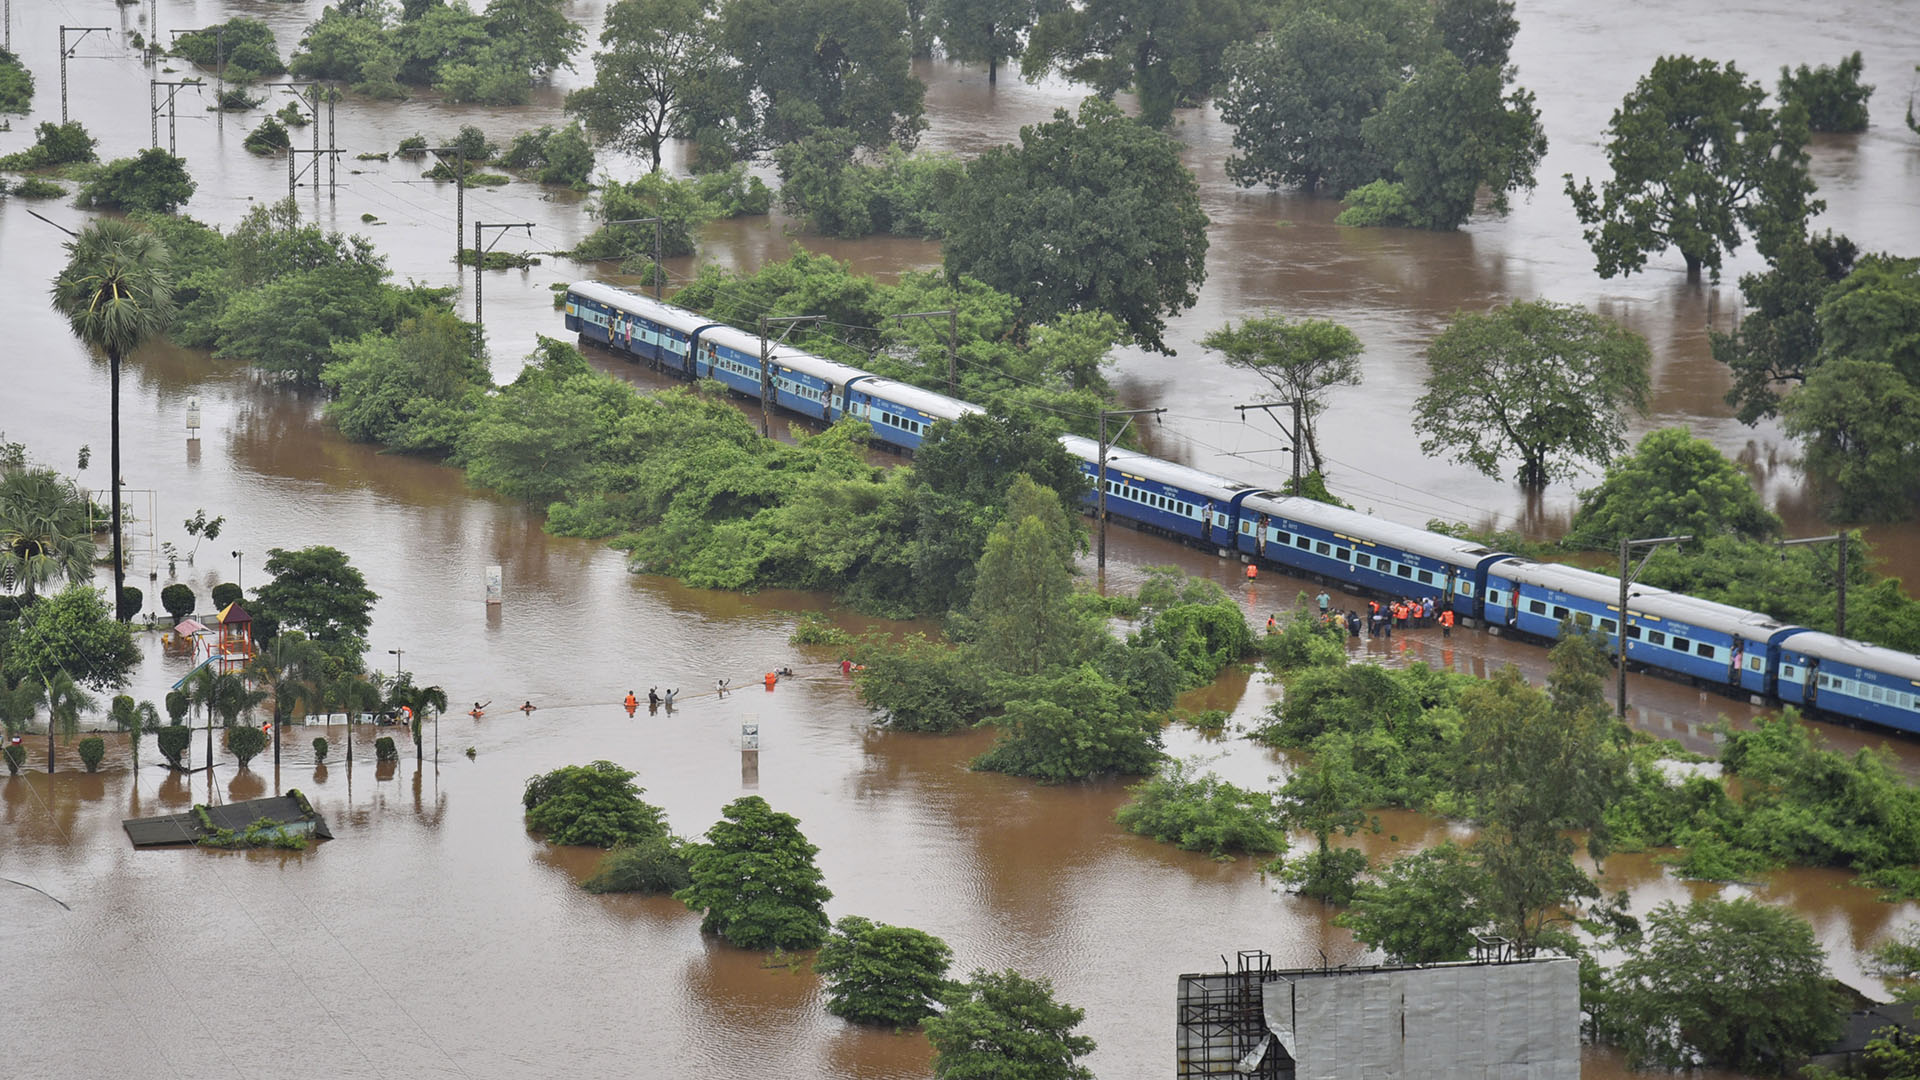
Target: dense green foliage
242	49
1168	54
1020	222
414	389
174	741
1698	162
654	867
900	193
1859	422
16	84
754	880
71	631
93	750
1420	909
280	294
683	206
1547	383
921	685
270	137
1006	1025
597	805
657	58
54	144
491	57
1199	811
316	591
245	743
46	530
1833	96
1300	359
881	974
556	156
987	31
1722	982
1778	339
178	600
1671	485
1404	106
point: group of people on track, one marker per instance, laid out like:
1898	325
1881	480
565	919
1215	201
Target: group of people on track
1380	619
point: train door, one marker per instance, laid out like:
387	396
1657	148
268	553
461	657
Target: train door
1260	537
1810	690
1206	523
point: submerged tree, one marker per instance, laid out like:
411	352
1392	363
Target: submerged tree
116	294
656	54
880	974
1698	161
1301	360
1003	1024
1548	383
755	881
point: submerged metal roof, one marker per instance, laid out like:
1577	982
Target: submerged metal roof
186	828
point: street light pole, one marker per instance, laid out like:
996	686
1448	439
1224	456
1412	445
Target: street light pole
240	571
1840	586
1627	578
1105	443
395	653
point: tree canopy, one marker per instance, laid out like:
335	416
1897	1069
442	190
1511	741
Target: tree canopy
1734	982
1833	96
1779	338
73	631
317	591
1672	484
1005	1024
988	31
1699	162
1422	908
755	881
1168	52
1301	359
881	974
1547	383
656	55
596	804
1088	213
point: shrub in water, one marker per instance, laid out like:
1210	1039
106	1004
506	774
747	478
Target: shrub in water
320	751
384	750
177	705
245	743
179	600
93	750
652	867
173	742
16	756
225	593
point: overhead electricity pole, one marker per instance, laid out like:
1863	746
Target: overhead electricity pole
65	52
480	276
766	364
1106	443
153	108
459	199
1840	585
953	343
1627	578
1292	434
659	272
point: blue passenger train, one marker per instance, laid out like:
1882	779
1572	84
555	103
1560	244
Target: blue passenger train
1710	644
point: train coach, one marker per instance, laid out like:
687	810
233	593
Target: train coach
1710	644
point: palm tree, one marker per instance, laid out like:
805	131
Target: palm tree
65	702
116	294
288	672
228	695
420	699
43	531
200	687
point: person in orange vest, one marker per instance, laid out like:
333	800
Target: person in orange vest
1446	622
846	666
1273	624
772	677
1253	571
632	703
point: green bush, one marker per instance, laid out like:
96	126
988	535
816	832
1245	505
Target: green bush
814	628
124	712
225	593
33	187
153	180
1201	812
53	144
880	974
384	750
269	138
236	99
246	46
1834	97
131	601
93	749
1381	204
16	756
174	740
1330	875
320	750
16	84
597	805
922	685
734	192
245	743
412	144
179	600
901	194
178	705
652	866
558	156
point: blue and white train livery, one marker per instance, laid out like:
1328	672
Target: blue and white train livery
1711	644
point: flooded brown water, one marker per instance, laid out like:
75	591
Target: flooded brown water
435	938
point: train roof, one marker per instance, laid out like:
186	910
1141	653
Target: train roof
1391	534
1574	581
937	405
1874	657
1711	614
658	310
1199	481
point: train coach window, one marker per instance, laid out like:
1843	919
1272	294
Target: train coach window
1559	613
1655	637
1403	571
1683	644
1322	549
1755	663
1343	554
1633	632
1536	607
1608	626
1303	543
1362	559
1426	577
1581	618
1704	649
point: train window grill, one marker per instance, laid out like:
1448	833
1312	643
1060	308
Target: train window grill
1322	549
1755	663
1704	649
1581	618
1343	554
1559	613
1403	571
1788	671
1362	559
1655	637
1536	607
1682	644
1302	543
1633	632
1608	626
1426	577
